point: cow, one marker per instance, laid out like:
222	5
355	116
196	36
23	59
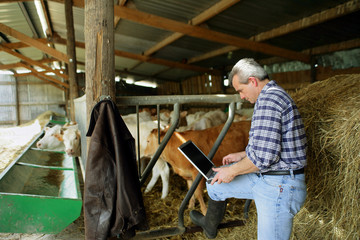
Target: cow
71	139
52	139
132	117
235	140
198	121
146	125
203	120
64	138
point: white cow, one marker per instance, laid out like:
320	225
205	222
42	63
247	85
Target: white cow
53	139
146	125
204	120
72	144
62	138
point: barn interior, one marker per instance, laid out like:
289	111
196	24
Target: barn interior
62	56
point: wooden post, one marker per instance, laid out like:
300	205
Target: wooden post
99	51
18	120
73	86
314	66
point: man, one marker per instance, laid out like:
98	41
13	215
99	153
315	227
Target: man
271	169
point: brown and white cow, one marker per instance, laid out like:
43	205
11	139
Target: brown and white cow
52	139
235	140
62	138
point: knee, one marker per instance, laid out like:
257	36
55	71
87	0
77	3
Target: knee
214	193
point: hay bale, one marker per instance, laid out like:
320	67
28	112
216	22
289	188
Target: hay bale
331	113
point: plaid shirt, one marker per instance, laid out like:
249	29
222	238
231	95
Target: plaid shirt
277	138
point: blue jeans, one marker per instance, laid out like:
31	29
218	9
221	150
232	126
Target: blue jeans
277	198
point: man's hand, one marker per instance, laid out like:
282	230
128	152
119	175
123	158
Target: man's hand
233	157
243	165
224	174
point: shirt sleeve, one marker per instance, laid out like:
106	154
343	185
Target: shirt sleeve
264	147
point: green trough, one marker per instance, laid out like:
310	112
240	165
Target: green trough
39	192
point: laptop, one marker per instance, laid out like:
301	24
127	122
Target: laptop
198	159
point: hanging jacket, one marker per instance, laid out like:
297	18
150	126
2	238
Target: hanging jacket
113	203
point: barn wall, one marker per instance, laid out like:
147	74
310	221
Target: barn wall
34	96
203	84
292	81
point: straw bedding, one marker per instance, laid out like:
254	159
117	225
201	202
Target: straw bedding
331	114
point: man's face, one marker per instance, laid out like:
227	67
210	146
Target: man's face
247	91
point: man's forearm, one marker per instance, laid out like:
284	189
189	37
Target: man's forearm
244	166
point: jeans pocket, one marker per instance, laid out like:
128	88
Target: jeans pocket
296	199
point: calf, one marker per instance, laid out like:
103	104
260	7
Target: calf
235	141
204	120
52	139
72	144
200	121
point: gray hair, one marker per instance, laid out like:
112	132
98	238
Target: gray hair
248	67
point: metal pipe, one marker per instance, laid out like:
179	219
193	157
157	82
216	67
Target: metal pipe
43	166
162	144
182	99
158	119
210	156
138	138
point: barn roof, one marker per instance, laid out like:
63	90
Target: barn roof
173	40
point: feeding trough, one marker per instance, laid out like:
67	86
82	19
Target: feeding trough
39	191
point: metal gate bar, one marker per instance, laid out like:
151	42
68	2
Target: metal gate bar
176	101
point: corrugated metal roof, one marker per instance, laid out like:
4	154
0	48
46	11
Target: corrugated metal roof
245	19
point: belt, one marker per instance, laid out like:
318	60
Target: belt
282	172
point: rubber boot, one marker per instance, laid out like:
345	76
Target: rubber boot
210	222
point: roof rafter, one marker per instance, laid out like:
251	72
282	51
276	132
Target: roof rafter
43	76
34	43
32	62
150	59
317	18
201	18
199	32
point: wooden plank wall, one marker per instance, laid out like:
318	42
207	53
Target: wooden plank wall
23	99
203	84
290	81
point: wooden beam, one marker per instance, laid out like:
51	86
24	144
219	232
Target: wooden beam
143	58
354	43
323	16
70	48
317	18
99	52
47	60
49	79
132	56
165	62
201	18
32	62
49	31
195	31
117	18
10	66
17	102
214	53
76	3
33	42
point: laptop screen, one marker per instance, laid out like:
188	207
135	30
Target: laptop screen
196	156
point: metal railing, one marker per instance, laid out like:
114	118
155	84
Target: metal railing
176	101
